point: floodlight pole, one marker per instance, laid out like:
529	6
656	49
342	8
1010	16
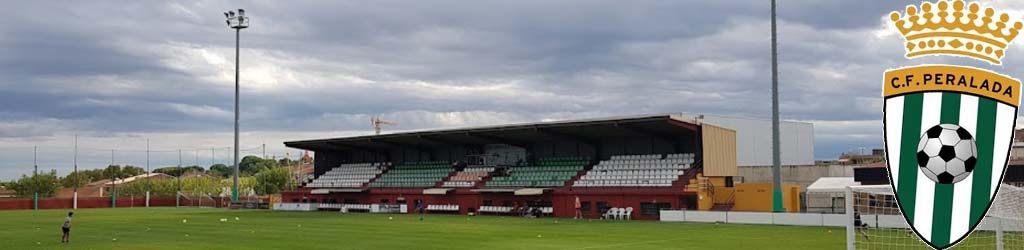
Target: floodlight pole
35	172
234	179
237	22
177	196
113	178
776	162
74	200
148	181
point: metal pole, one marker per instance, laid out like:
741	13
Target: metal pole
35	172
74	200
264	151
999	233
177	196
234	190
776	162
850	217
148	181
113	178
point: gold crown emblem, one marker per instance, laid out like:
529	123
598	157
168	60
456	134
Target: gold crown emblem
946	28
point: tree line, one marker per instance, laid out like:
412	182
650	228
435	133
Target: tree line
256	175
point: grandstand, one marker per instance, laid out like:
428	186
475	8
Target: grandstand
635	165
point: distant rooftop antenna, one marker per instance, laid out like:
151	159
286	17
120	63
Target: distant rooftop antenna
378	124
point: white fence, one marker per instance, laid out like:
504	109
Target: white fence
809	219
295	206
793	219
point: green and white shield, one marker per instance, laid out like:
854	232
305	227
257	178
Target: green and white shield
943	184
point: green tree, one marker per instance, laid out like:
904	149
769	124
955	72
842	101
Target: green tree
287	162
44	183
194	169
130	171
172	171
113	172
202	185
220	170
251	165
273	181
155	187
73	178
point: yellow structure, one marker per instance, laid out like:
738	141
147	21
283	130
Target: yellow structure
719	151
757	197
710	191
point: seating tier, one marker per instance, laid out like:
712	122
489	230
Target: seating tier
637	171
548	172
349	175
414	175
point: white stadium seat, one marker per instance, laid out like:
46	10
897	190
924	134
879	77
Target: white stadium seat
350	175
637	171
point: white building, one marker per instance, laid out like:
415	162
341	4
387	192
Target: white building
754	140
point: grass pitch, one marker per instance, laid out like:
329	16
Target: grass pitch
207	228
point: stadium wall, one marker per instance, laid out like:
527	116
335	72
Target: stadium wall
87	202
800	175
562	200
758	197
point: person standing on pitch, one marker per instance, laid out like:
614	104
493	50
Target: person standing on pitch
419	208
579	214
66	228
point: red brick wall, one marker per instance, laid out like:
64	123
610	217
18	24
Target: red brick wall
562	200
87	202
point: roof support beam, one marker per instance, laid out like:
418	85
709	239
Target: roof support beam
566	136
448	142
498	139
691	126
648	132
358	148
403	145
332	147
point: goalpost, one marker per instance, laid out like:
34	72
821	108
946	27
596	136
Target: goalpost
883	227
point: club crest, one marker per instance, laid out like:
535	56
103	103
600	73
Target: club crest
949	128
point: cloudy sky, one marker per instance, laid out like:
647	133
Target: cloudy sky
119	73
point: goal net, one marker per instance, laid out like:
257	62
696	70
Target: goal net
883	227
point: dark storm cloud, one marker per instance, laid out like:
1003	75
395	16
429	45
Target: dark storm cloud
132	69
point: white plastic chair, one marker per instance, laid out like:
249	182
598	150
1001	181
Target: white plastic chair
629	213
609	214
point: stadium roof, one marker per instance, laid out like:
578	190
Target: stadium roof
665	125
832	185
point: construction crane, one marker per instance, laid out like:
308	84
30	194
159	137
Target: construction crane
379	123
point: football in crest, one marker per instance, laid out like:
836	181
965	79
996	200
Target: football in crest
947	153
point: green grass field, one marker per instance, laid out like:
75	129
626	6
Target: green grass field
163	228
